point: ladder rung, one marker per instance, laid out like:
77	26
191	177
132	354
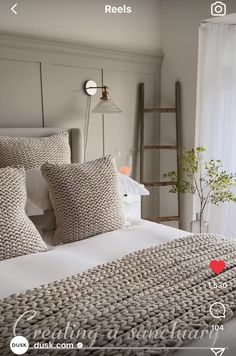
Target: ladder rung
160	110
163	218
159	184
160	147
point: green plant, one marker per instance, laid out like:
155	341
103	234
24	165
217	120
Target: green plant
206	179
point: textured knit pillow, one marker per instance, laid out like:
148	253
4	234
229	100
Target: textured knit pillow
85	197
18	235
32	152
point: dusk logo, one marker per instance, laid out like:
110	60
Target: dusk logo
19	345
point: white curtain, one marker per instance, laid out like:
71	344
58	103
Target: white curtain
216	110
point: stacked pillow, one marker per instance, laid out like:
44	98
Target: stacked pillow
86	198
128	186
37	189
18	235
31	152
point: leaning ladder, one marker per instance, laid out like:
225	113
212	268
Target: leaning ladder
177	111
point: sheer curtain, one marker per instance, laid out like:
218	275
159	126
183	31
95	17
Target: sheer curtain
216	110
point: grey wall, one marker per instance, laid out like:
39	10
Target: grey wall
42	84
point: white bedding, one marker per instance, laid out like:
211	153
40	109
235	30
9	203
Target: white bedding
26	272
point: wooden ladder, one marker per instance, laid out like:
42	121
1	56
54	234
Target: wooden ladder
177	111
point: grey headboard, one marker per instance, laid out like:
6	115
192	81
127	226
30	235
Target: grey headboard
76	138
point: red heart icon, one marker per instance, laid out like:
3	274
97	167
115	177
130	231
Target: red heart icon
217	266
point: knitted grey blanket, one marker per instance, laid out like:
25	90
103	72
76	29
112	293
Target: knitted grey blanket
142	304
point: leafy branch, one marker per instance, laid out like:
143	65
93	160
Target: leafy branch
207	180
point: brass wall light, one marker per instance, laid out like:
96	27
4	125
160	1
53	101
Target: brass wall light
104	106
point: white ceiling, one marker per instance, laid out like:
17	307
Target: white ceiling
84	22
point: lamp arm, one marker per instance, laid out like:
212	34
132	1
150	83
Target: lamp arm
105	86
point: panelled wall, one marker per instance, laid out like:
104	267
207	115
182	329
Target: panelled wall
42	85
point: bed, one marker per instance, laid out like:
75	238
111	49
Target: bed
23	273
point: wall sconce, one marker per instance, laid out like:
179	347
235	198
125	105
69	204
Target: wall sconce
105	105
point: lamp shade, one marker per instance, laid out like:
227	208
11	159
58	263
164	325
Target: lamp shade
106	106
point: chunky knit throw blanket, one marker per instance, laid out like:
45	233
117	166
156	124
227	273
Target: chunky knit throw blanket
137	305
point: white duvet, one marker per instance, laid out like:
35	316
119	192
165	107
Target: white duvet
26	272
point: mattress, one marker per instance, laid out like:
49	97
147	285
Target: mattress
26	272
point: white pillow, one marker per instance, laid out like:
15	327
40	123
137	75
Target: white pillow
38	196
37	193
129	186
31	209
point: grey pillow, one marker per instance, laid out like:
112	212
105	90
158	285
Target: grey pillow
85	197
32	152
18	235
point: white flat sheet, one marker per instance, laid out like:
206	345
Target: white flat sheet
26	272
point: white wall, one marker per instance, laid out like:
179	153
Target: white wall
42	85
179	42
84	22
50	48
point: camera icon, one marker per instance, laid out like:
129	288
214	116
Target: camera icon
218	8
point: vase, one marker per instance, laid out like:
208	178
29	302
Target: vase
199	226
124	161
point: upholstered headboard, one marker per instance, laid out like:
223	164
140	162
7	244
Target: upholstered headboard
76	138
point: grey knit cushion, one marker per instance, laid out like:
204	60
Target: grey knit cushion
85	199
32	152
18	235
